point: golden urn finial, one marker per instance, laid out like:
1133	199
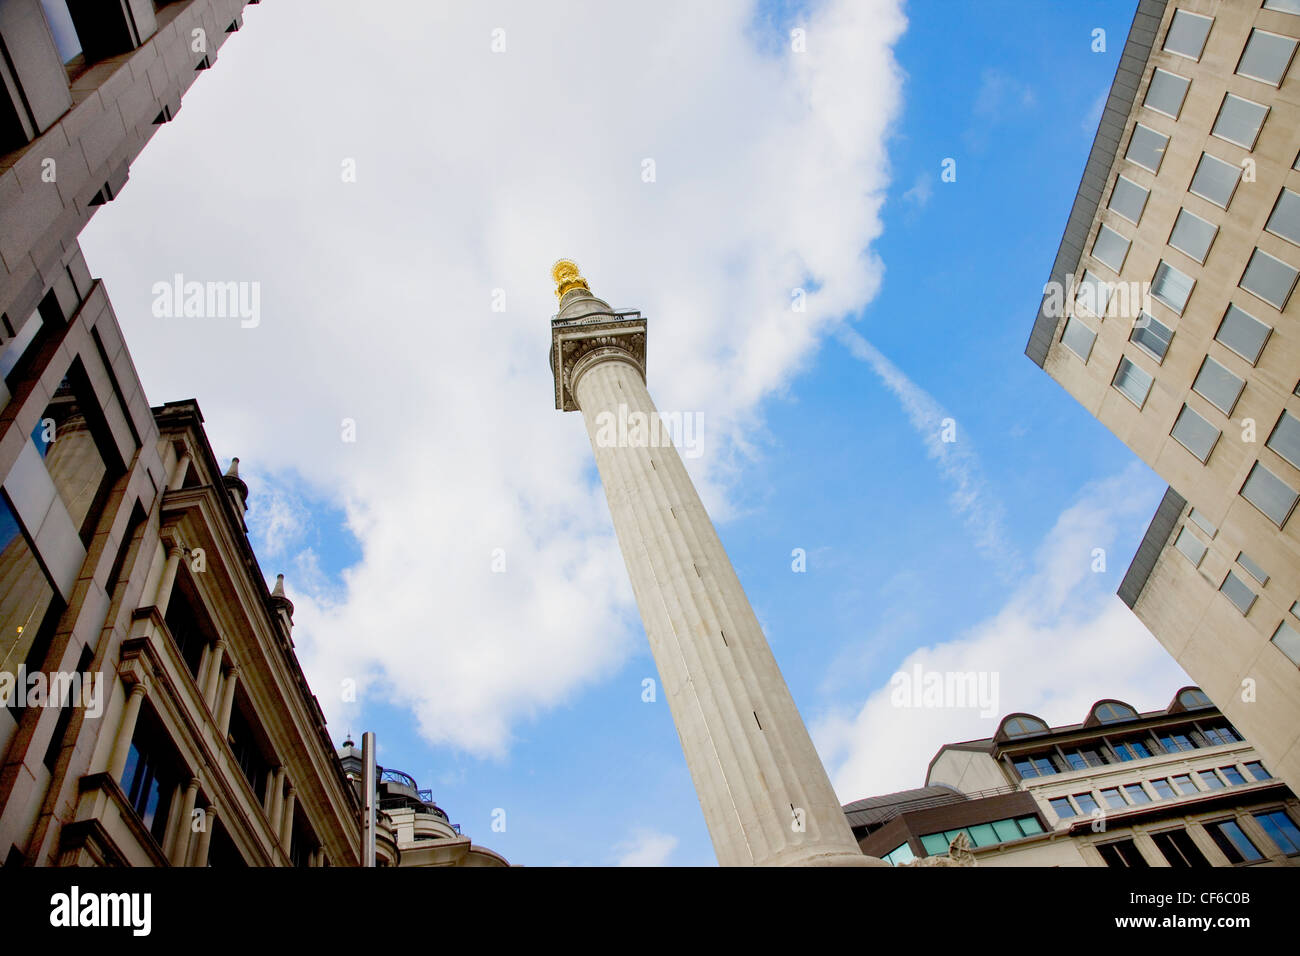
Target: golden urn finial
567	278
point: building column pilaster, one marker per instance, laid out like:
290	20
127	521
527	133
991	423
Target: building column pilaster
227	700
168	580
126	731
202	844
213	675
286	823
185	825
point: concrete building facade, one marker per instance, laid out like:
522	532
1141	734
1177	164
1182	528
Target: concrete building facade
1170	314
1176	788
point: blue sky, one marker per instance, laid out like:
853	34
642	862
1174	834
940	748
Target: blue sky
835	454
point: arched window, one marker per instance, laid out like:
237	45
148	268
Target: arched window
1022	726
1112	711
1194	698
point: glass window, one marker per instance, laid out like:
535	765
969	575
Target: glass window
1203	523
1113	798
1287	640
1270	494
1093	293
1218	386
1078	338
1221	735
1190	546
1211	780
17	346
1132	750
1176	743
899	855
1023	726
1180	850
1194	433
1243	333
1110	248
1236	846
1281	829
1185	784
1146	147
1128	199
1232	775
1238	592
981	834
1187	33
1193	235
1285	439
1029	825
1215	180
1062	807
1163	788
1266	57
1239	121
1285	220
1269	278
1257	770
1132	382
1172	287
1137	795
1111	711
1006	829
1253	569
1166	93
1124	853
1086	802
1083	758
1284	6
1152	336
1034	767
66	40
1193	698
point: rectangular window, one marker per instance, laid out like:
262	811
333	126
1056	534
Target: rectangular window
1137	794
1152	336
1233	776
1238	592
1062	807
1283	6
1257	770
1287	640
1176	743
1086	803
1133	383
1266	57
1239	121
1078	338
1268	278
1193	235
1034	767
1202	522
1218	386
1131	750
1187	33
1180	850
1185	784
1285	439
1083	759
1166	93
1093	293
1236	846
1211	780
1253	569
899	855
1110	248
1285	219
1122	854
1146	147
1128	199
1243	333
1163	788
1217	736
1215	180
1190	546
1172	287
1281	829
1113	798
1270	494
1194	433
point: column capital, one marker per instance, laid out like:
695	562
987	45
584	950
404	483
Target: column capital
586	333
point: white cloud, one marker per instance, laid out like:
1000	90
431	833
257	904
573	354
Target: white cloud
646	848
474	171
921	190
971	498
1062	641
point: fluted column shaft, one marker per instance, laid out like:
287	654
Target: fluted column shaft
168	579
185	825
764	792
125	732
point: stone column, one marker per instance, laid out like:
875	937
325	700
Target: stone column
227	701
214	674
277	799
168	578
177	478
766	797
286	823
185	826
200	856
126	731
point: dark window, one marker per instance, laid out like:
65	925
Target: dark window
1178	847
1174	743
1035	767
1132	750
1281	830
150	779
73	696
1257	771
1221	735
1122	854
1236	846
1163	788
1062	807
1232	775
243	741
1114	799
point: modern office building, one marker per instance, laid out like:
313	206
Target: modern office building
411	830
1177	787
1170	314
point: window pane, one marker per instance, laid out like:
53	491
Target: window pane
1110	248
1062	808
1152	336
1006	829
1266	57
1238	592
1257	770
1114	799
1029	825
1093	293
1285	221
1146	147
1136	793
935	844
981	834
1285	6
1215	180
1078	338
1166	93
1218	386
1194	433
1191	547
1287	640
66	40
1187	33
1234	844
1253	569
1185	784
1243	333
1086	803
1269	278
1172	287
1285	439
1128	199
1281	829
1239	121
1163	788
1269	493
1211	780
1192	235
1134	383
1232	775
1203	523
